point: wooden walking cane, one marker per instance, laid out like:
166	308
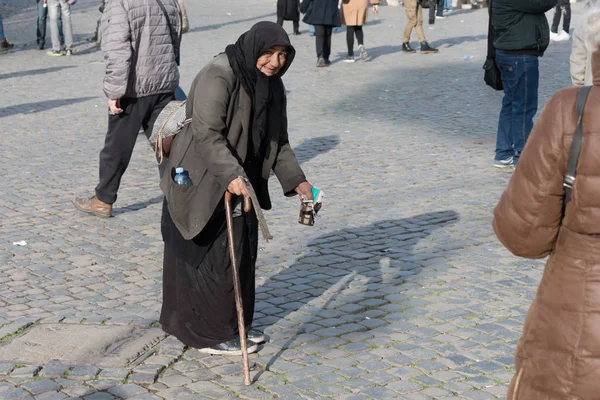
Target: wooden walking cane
236	286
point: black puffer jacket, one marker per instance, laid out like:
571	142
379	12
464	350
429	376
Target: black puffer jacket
321	12
520	26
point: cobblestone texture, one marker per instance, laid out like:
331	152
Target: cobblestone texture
399	291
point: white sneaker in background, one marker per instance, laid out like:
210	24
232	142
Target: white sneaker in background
555	37
564	36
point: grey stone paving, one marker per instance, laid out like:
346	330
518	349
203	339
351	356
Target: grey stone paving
400	290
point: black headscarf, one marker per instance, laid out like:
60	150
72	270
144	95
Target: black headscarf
267	93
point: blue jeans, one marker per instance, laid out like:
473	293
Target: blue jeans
311	30
2	37
520	78
447	4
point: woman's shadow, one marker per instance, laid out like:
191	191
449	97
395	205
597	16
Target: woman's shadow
334	285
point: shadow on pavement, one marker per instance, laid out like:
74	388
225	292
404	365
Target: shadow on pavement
453	41
217	26
31	108
349	266
139	206
19	74
310	148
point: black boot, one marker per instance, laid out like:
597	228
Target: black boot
426	48
407	49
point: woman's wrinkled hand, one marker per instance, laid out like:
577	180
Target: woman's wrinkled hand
305	189
238	188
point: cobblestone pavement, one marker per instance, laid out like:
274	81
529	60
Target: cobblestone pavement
399	291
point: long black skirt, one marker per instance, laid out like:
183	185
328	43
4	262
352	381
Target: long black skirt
198	299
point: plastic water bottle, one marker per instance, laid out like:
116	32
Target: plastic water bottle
181	177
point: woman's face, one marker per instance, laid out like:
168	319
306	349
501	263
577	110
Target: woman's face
272	60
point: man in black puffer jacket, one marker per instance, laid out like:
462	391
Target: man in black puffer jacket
521	35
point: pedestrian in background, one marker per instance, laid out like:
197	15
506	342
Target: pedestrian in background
289	10
238	132
563	8
137	91
354	15
62	8
436	10
4	44
414	13
42	16
324	15
581	51
521	36
557	356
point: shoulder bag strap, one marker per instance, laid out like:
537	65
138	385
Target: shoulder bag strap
172	31
491	51
576	145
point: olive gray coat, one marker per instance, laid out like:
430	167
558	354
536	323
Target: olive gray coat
138	48
212	148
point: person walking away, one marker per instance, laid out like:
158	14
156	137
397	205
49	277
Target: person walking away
4	44
133	30
354	15
563	8
436	11
414	13
521	35
556	356
62	8
238	133
289	10
324	15
42	17
581	51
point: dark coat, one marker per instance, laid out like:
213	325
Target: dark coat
559	352
288	10
212	148
521	25
321	12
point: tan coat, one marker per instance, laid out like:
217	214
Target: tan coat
355	12
558	355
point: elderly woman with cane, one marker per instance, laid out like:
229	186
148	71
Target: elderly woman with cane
237	135
552	207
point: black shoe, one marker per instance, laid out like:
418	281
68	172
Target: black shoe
256	336
231	347
426	48
297	33
327	62
4	45
320	62
407	49
41	45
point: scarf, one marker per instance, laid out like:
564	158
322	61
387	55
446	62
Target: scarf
267	93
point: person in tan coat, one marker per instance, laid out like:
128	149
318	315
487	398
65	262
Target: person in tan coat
354	14
558	355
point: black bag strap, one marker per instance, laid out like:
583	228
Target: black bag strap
569	179
491	51
172	31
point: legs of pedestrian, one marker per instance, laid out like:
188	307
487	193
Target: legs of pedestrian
296	27
280	21
311	30
567	19
53	13
440	9
327	44
4	45
360	38
520	78
67	27
414	13
562	9
42	15
432	14
350	42
320	44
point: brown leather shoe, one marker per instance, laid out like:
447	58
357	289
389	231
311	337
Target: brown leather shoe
93	206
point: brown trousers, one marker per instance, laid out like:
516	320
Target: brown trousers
414	12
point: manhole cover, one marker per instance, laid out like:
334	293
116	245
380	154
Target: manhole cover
98	345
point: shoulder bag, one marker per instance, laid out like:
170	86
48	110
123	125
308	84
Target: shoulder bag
491	74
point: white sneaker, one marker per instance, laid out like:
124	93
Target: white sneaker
555	37
564	36
439	17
